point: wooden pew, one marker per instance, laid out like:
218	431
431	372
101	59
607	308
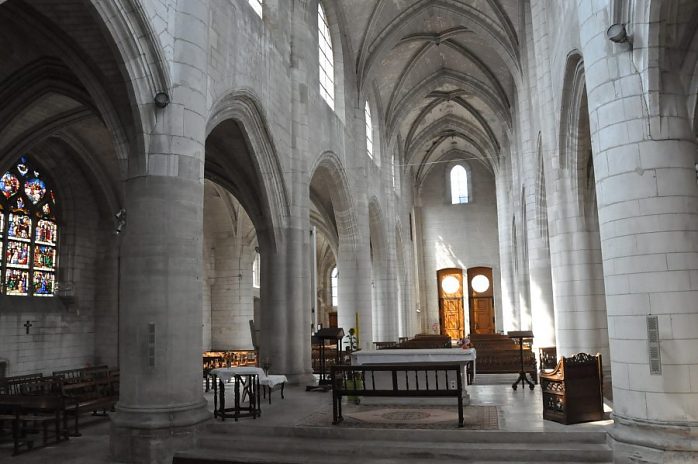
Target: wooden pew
91	389
499	354
30	401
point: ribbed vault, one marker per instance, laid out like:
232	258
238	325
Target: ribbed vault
443	72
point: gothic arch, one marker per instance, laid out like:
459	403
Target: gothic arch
242	107
137	58
329	164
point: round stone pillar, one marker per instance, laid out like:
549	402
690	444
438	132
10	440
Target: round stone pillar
285	319
231	295
580	307
160	398
648	214
161	402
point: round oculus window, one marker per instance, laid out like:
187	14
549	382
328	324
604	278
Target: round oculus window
450	284
480	283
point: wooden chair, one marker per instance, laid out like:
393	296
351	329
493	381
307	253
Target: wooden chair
573	392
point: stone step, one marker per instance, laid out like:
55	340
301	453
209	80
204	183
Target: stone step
296	445
265	457
403	435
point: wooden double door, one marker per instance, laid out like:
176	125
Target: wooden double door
452	292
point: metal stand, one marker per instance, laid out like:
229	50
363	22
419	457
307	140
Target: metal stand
520	335
333	335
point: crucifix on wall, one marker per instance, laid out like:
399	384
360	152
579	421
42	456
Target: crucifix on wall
27	325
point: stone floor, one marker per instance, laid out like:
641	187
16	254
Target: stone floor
519	410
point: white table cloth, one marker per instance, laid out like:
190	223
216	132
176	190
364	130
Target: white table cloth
399	356
419	356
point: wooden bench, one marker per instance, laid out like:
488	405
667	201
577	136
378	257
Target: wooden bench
499	354
436	380
12	385
425	341
92	389
30	401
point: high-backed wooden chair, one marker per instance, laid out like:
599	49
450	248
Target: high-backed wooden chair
573	392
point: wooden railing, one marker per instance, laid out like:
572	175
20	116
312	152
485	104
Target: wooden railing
397	380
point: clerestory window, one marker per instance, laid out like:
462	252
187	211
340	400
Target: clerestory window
369	130
459	185
326	56
29	232
255	271
257	6
333	285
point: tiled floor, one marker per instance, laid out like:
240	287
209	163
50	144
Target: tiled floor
519	410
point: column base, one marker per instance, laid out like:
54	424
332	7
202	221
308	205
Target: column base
152	436
653	442
305	378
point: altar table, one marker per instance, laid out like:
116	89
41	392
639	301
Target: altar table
419	356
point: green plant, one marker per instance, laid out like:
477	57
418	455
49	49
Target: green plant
355	383
351	340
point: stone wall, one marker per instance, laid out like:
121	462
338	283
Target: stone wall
458	235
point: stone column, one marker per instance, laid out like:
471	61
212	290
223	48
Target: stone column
580	309
231	295
161	400
509	315
285	321
648	214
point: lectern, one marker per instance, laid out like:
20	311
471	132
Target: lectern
321	337
520	335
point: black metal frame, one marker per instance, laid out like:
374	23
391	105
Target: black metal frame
241	408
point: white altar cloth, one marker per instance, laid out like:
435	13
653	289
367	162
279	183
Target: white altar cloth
419	356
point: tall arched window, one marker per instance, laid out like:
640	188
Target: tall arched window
257	6
369	130
333	285
326	57
459	185
29	232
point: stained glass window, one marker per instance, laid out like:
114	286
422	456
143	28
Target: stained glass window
28	231
326	56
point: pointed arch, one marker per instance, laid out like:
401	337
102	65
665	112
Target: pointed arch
242	107
329	164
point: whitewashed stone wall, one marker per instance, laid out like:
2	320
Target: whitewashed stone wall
458	235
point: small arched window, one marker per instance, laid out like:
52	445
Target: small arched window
333	285
369	130
326	56
459	185
392	170
29	232
257	6
255	271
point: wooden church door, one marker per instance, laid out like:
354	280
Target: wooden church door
481	299
451	316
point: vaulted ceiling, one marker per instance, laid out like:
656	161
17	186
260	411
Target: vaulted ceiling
442	73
